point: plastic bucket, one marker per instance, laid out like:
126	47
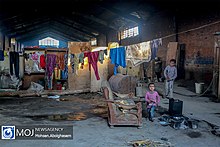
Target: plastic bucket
199	87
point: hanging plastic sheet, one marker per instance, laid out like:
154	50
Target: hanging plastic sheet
138	53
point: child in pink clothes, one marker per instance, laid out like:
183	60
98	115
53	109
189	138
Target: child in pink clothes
153	99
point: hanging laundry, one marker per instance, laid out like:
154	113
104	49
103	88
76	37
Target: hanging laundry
51	63
81	57
42	61
57	73
39	54
154	47
1	55
117	56
113	45
72	56
101	56
14	60
138	53
60	61
26	56
30	56
50	82
93	59
76	63
99	49
34	56
106	52
65	72
102	51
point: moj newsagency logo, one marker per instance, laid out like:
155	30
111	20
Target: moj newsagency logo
37	132
8	132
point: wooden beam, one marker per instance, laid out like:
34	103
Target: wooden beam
32	33
31	29
23	27
83	25
76	28
66	32
70	29
49	31
96	19
65	35
44	35
124	15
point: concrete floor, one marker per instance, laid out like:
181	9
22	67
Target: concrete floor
87	114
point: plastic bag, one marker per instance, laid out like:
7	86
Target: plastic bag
5	81
35	87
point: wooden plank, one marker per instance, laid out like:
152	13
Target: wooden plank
34	49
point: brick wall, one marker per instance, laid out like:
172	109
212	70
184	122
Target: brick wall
197	34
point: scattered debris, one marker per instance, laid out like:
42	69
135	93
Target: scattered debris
54	96
178	122
164	123
78	116
164	139
216	132
35	87
149	143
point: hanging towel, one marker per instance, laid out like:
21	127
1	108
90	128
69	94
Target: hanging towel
138	53
117	56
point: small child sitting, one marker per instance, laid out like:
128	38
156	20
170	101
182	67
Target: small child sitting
152	98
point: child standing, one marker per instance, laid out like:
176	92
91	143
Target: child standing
170	73
153	99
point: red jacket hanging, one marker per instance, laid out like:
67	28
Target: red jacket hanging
42	61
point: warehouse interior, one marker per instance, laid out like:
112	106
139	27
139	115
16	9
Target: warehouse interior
64	54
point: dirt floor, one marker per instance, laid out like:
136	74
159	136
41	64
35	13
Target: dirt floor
66	108
88	115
